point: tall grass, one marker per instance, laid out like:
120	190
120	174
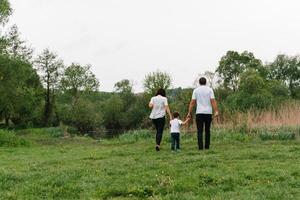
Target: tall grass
10	139
287	114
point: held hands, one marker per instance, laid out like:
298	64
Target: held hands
188	117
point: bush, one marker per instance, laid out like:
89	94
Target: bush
83	115
277	136
134	136
10	139
54	132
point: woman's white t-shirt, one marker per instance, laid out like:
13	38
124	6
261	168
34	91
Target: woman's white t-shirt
159	107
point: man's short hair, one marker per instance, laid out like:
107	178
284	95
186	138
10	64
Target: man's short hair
202	81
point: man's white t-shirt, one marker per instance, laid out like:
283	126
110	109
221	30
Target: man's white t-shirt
203	94
159	107
175	125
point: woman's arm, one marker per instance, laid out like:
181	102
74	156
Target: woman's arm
169	112
150	105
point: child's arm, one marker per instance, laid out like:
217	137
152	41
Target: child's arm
186	121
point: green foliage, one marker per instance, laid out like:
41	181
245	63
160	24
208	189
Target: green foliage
233	64
50	69
10	139
134	136
83	115
5	11
20	90
124	86
53	132
277	136
287	69
112	113
179	100
157	80
16	47
78	78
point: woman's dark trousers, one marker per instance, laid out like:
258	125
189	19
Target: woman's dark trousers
203	120
159	126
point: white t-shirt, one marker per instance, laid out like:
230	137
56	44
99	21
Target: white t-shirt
203	95
175	125
159	106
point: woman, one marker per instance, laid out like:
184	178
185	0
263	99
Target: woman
159	106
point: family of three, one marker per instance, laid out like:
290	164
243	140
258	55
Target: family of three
203	97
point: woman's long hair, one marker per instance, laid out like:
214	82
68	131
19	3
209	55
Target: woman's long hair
161	92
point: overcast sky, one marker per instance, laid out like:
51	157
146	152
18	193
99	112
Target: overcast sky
130	38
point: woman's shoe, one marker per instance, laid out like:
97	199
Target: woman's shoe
157	148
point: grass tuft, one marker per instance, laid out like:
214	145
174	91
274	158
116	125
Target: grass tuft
10	139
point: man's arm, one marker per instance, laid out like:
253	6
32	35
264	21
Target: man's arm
191	106
215	107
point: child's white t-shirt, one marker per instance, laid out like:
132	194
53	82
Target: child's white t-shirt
175	125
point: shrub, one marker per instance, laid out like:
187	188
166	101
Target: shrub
277	136
54	132
10	139
134	136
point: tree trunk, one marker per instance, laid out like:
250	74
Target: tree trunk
6	121
47	111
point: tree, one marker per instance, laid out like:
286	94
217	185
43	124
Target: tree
17	47
124	86
5	11
212	79
156	80
20	90
287	70
50	68
78	78
252	93
112	109
233	64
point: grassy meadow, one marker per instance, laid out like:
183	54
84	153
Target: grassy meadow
40	164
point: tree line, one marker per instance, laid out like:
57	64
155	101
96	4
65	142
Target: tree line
41	91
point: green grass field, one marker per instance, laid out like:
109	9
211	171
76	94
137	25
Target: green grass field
237	167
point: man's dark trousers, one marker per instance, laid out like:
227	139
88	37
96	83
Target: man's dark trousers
203	120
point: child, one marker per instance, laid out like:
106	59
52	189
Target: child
175	131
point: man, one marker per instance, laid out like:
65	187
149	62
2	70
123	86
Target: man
204	97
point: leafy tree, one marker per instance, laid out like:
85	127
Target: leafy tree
79	78
50	68
212	79
124	86
84	116
287	70
112	110
17	47
252	93
5	11
20	90
156	80
233	64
